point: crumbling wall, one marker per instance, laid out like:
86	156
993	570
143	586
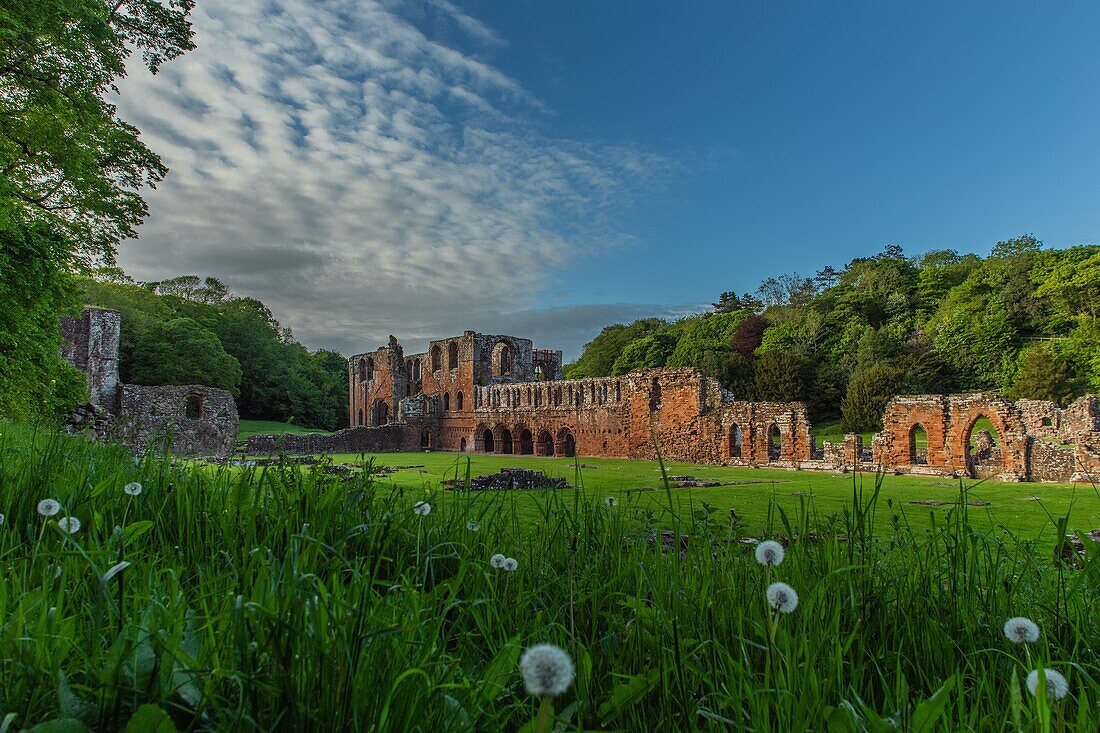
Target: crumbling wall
187	420
90	343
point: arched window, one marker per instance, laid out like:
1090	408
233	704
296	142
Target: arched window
462	445
379	413
418	370
545	443
983	449
437	358
362	370
655	395
504	359
458	401
426	440
452	355
446	402
567	444
370	368
360	417
735	441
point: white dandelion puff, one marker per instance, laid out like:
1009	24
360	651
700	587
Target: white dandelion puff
473	525
69	524
547	670
1021	630
782	597
422	508
2	518
770	553
611	501
1057	686
510	564
133	488
48	507
497	560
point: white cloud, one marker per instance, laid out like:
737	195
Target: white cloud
361	178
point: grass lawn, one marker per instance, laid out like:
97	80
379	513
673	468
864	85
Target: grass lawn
750	492
249	428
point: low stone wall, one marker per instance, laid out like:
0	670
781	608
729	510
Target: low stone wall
1049	462
389	438
187	420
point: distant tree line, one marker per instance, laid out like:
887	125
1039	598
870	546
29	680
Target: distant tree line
189	330
1024	321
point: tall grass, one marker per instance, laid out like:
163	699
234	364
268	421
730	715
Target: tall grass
286	598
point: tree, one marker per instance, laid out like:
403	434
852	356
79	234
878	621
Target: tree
184	352
868	393
749	335
782	377
599	355
68	160
645	353
1043	375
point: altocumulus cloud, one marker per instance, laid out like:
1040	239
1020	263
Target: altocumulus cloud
363	178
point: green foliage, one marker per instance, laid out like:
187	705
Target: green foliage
286	598
645	353
868	393
1043	375
35	382
782	377
181	351
1081	349
600	353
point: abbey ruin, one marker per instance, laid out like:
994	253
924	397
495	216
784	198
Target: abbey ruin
481	393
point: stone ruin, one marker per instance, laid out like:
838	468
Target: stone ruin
479	393
509	478
187	420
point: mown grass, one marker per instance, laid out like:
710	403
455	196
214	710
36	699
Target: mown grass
285	598
248	428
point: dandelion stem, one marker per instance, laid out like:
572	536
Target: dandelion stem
546	711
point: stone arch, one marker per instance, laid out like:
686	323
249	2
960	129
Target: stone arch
485	436
436	356
775	442
458	400
545	443
379	412
370	368
426	440
918	445
566	444
362	370
192	407
418	370
462	446
526	441
734	441
452	355
984	447
446	402
504	359
360	416
505	440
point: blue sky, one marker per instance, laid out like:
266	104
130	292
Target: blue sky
544	169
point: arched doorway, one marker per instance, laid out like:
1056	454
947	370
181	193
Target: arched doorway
567	444
505	441
379	413
545	443
526	442
918	445
983	449
426	440
462	445
487	443
735	441
775	443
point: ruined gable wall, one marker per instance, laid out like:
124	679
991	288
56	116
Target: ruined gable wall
157	416
375	376
90	343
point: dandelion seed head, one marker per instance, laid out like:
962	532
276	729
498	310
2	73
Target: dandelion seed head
48	507
510	564
1057	686
69	524
1021	630
133	488
473	525
611	501
782	597
2	518
497	560
422	508
770	553
547	670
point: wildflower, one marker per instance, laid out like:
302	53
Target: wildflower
769	553
473	525
2	518
782	597
1021	630
1057	686
547	670
497	560
611	501
48	507
69	524
422	508
133	488
510	564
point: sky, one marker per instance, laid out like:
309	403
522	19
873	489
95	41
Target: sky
544	169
